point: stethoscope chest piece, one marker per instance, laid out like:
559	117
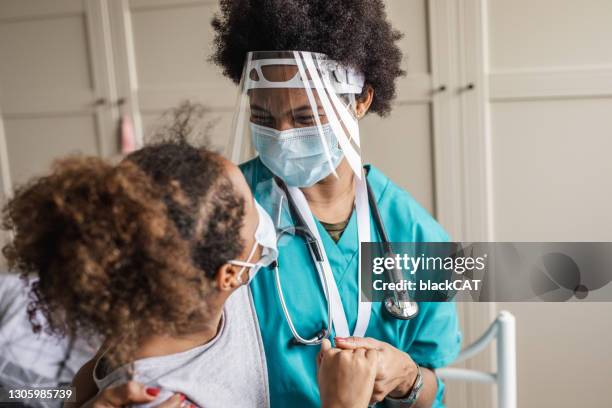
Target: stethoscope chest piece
403	310
315	341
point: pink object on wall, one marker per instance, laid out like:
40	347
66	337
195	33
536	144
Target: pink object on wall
128	138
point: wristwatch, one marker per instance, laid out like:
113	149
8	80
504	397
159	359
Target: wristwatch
413	396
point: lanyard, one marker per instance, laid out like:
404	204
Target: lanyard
362	207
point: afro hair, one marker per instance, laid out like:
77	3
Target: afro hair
353	32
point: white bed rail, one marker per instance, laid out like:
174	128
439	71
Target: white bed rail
504	330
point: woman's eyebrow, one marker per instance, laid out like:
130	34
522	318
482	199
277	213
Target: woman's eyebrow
259	108
308	109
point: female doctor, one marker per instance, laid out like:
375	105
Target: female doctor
308	71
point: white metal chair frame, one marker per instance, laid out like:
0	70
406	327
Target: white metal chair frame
504	330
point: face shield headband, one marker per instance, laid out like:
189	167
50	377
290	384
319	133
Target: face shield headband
343	80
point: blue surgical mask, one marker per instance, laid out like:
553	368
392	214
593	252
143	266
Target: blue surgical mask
297	155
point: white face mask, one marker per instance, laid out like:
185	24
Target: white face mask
265	235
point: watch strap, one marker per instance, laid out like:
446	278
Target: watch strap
414	393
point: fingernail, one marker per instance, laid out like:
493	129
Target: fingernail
339	339
182	397
154	392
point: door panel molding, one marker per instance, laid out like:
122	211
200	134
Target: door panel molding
103	73
125	63
551	83
19	10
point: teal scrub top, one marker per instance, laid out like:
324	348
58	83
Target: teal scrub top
432	338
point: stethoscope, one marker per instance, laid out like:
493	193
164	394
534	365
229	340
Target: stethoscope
397	304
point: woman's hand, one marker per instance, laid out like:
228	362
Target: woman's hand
396	371
346	377
131	393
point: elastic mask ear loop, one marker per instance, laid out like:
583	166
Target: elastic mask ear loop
246	264
239	277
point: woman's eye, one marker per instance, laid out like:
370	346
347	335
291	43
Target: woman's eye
305	120
261	120
310	120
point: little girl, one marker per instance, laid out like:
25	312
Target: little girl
150	257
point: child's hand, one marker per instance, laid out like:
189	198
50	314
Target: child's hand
132	393
396	372
346	377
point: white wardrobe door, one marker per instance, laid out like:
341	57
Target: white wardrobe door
53	84
550	77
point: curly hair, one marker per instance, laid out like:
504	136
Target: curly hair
353	32
120	255
196	183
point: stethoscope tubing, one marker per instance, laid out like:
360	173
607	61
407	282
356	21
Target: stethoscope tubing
325	332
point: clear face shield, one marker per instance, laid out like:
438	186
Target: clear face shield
296	110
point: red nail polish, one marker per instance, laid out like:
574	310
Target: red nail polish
182	397
154	392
